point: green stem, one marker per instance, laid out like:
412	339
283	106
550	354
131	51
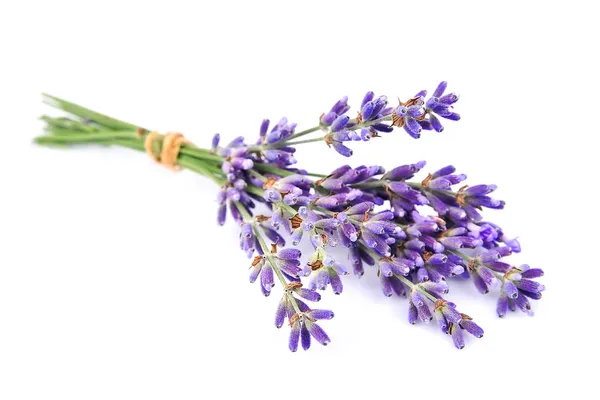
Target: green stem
368	185
258	175
255	190
417	185
305	132
197	152
193	165
284	144
282	172
100	137
86	113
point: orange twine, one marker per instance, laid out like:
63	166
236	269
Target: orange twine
170	147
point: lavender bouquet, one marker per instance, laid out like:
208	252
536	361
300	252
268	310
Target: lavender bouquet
416	234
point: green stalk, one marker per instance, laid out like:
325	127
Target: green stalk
305	132
368	185
282	172
86	113
84	137
284	144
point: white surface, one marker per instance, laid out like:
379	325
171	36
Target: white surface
115	281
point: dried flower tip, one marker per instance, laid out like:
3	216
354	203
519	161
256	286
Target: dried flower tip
294	318
269	183
262	218
439	304
460	196
427	180
293	285
315	265
256	260
296	221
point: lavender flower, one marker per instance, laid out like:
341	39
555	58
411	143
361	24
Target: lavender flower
417	235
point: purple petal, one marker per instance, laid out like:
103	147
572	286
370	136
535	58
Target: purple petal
321	314
309	295
439	91
457	337
305	336
266	278
533	273
294	337
343	150
472	328
318	333
502	306
281	312
510	289
386	285
336	282
413	314
289	254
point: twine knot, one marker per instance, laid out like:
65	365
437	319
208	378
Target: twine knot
164	149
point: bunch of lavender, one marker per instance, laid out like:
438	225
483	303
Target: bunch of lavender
367	210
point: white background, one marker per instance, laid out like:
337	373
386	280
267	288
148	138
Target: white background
115	281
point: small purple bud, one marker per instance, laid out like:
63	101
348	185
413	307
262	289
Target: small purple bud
533	273
318	333
367	110
415	111
368	97
215	141
439	91
510	289
343	150
321	314
339	123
